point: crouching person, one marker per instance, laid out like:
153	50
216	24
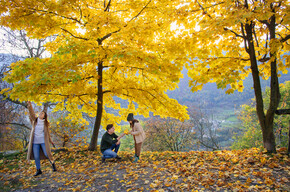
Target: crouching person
110	141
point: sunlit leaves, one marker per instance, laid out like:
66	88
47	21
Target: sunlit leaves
130	42
251	133
216	36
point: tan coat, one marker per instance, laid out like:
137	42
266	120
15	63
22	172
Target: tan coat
138	133
47	138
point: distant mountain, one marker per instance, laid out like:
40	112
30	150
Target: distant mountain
210	96
7	59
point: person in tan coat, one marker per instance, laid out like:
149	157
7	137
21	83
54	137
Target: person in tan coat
138	134
39	140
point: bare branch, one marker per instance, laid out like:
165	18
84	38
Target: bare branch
139	12
237	35
204	11
18	124
108	6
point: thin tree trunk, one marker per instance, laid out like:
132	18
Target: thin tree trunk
269	140
289	139
94	139
45	107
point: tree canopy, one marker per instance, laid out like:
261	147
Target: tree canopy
135	50
232	39
128	45
219	52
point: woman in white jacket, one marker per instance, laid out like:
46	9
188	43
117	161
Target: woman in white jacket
138	134
39	142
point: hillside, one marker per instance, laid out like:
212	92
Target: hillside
210	96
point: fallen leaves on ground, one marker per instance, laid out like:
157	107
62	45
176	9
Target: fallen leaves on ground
81	170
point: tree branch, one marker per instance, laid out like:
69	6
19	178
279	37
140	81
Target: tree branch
24	104
18	124
226	29
282	111
139	12
108	5
204	10
86	39
285	38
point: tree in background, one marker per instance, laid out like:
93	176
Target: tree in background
252	134
232	39
20	47
16	42
168	135
103	49
66	131
206	129
8	141
14	128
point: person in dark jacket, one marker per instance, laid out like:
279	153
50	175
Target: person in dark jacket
110	141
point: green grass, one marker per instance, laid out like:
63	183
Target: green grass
13	166
7	186
69	160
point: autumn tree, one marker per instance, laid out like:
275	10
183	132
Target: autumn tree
230	40
64	129
14	132
168	135
19	47
251	133
103	49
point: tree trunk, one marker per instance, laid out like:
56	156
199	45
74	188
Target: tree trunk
97	125
45	107
266	121
283	112
289	139
275	95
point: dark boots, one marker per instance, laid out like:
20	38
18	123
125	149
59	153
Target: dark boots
53	167
38	172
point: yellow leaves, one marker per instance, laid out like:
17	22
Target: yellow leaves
4	90
284	179
174	170
126	131
230	91
263	160
153	185
174	177
269	181
227	49
129	44
235	160
249	180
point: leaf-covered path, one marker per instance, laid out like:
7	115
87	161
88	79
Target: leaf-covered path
81	170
